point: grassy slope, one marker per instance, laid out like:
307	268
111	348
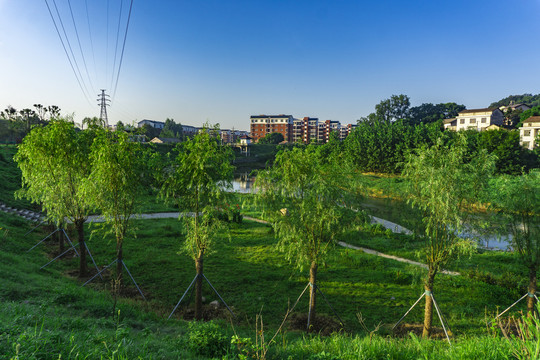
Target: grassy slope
43	313
10	178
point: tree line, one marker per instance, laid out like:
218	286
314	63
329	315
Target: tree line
386	136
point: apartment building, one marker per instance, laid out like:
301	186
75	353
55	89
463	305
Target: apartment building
262	125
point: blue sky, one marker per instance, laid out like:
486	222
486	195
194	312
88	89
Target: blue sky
222	61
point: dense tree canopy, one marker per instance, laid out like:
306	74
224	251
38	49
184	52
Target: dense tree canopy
172	130
529	99
428	113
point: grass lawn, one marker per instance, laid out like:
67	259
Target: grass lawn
43	313
254	278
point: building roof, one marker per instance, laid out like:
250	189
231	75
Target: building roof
152	121
532	119
245	137
448	121
270	116
478	110
165	140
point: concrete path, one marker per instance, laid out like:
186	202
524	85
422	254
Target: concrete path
397	258
174	215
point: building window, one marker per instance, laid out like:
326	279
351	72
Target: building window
473	121
527	133
462	121
484	120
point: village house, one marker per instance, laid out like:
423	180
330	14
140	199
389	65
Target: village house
475	119
529	131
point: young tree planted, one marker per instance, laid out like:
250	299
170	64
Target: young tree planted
517	202
443	187
302	198
115	184
196	181
54	161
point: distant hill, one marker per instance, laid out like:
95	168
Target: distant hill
529	99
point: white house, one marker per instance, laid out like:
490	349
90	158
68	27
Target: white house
245	140
512	106
478	119
529	131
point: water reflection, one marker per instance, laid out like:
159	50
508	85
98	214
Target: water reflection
401	213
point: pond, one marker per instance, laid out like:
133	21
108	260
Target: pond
401	213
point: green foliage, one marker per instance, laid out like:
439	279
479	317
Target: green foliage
529	99
54	164
272	138
429	113
393	109
443	186
517	202
115	182
230	213
526	344
535	111
382	146
207	339
196	182
172	130
504	144
301	196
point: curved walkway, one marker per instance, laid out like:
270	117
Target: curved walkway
170	215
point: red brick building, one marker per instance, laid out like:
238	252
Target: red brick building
262	125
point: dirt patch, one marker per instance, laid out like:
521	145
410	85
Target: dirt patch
105	283
322	324
209	312
403	330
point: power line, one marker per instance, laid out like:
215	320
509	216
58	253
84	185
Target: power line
66	52
123	48
69	47
80	47
117	38
90	35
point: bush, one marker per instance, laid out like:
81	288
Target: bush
207	339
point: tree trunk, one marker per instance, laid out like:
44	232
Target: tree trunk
119	265
198	287
60	237
83	270
532	290
312	294
428	311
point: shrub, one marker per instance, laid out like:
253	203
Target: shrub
207	339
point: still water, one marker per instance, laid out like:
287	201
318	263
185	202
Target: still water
400	213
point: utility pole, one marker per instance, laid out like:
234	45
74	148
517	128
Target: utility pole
104	102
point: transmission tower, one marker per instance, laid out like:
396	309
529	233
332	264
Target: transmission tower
104	102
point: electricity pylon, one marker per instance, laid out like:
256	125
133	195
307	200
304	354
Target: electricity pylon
104	102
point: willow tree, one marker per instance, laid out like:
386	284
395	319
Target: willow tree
114	184
54	162
303	198
516	199
196	182
443	185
